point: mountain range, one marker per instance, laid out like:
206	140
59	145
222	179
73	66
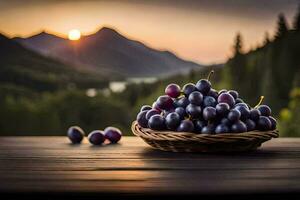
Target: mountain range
109	53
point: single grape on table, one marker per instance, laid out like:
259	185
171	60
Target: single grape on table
198	108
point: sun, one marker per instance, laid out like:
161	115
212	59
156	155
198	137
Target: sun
74	34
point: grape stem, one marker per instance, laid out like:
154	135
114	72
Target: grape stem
260	101
209	75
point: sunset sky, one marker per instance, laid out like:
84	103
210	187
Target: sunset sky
202	31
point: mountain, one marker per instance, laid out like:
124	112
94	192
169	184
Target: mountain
108	51
20	67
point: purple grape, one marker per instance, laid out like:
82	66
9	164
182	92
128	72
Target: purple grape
209	101
152	112
209	113
155	106
164	102
75	134
181	112
141	119
198	125
145	107
222	109
188	89
250	124
241	104
186	126
222	91
196	98
234	115
173	90
273	123
112	134
156	122
203	86
264	110
193	110
209	129
233	93
226	98
254	114
172	121
245	112
96	137
238	127
213	93
264	123
181	102
166	112
222	128
239	100
226	122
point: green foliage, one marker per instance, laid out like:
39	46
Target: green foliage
290	117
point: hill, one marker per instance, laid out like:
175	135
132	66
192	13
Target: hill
107	51
24	68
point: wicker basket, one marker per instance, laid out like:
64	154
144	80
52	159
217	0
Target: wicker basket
190	142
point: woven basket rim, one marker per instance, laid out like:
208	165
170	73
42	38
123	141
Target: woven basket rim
150	134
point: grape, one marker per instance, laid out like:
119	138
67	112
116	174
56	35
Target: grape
112	134
213	93
222	91
152	112
172	121
250	124
198	125
273	123
186	126
154	106
193	110
226	122
181	112
264	110
141	119
238	127
264	123
226	98
239	100
203	86
209	101
241	104
172	90
145	107
222	128
233	93
234	115
164	102
75	134
254	114
196	98
188	89
156	122
209	113
166	112
96	137
222	109
209	129
245	112
181	102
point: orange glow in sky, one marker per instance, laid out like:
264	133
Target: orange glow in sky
199	32
74	34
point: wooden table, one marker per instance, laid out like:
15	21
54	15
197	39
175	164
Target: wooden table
52	164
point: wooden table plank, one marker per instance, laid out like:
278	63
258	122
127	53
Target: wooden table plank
52	164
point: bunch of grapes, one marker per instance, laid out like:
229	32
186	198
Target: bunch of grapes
199	108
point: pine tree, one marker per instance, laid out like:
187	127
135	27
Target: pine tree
267	38
296	23
238	44
282	27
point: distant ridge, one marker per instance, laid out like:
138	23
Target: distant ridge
110	52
